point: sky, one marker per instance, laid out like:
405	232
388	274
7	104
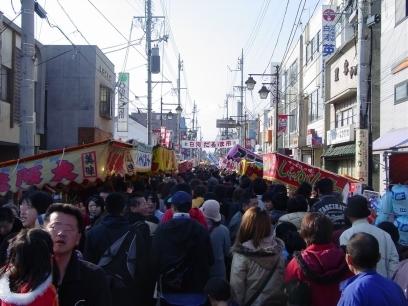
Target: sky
208	34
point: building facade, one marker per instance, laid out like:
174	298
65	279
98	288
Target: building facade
394	80
80	96
10	87
136	131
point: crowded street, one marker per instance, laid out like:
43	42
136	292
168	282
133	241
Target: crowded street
204	153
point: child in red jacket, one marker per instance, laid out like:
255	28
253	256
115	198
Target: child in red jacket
26	279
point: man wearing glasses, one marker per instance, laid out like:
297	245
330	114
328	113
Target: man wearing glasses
78	282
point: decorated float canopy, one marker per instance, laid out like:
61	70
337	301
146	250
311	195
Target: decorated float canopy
81	164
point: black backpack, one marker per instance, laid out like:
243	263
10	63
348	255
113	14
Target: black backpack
122	259
179	276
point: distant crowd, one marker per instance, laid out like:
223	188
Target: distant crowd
199	238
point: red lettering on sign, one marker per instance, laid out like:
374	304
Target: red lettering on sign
29	176
64	170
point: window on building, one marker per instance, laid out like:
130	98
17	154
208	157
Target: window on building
345	117
5	86
105	102
293	120
401	92
316	107
293	74
312	47
401	10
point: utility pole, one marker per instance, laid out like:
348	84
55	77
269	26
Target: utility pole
148	14
178	132
241	105
363	49
277	72
193	133
28	125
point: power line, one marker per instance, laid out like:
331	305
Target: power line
293	30
116	29
73	23
314	10
277	40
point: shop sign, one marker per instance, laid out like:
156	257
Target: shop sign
362	155
123	102
340	135
328	30
294	141
312	139
219	144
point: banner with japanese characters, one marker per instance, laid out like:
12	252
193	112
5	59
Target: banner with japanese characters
293	172
218	144
84	163
123	102
328	30
142	158
282	124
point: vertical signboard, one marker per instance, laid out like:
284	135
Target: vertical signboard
328	30
123	102
282	124
362	155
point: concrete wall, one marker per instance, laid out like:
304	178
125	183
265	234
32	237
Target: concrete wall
73	85
394	51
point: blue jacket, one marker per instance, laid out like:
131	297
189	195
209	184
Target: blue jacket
371	289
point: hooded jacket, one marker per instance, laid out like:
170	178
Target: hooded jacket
101	236
44	295
180	238
251	266
326	268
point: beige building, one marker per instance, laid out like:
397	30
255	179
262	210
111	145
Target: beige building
10	84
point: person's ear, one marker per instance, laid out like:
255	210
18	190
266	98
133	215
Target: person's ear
349	260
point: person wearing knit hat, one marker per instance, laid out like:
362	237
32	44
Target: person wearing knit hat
33	207
357	212
219	235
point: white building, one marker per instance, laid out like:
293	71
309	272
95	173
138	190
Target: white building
136	131
394	79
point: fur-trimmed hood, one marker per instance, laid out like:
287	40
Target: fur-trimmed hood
7	296
269	248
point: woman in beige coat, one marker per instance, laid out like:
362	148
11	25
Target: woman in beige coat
257	271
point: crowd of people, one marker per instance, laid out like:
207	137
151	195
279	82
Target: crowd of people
200	238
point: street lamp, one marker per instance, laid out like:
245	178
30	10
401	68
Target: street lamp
250	83
263	92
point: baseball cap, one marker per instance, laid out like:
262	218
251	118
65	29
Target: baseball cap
211	210
181	197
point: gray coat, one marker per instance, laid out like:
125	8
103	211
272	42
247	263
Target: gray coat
221	243
250	268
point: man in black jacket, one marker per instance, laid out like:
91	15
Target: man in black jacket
110	229
329	203
78	282
139	290
182	256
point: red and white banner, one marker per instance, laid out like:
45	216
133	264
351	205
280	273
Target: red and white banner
282	124
219	144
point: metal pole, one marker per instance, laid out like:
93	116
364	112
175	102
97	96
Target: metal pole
276	109
27	127
161	111
149	70
178	134
242	91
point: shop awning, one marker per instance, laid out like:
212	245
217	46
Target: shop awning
340	151
394	139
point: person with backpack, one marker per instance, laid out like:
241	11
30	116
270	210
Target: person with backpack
313	276
181	256
258	262
122	250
